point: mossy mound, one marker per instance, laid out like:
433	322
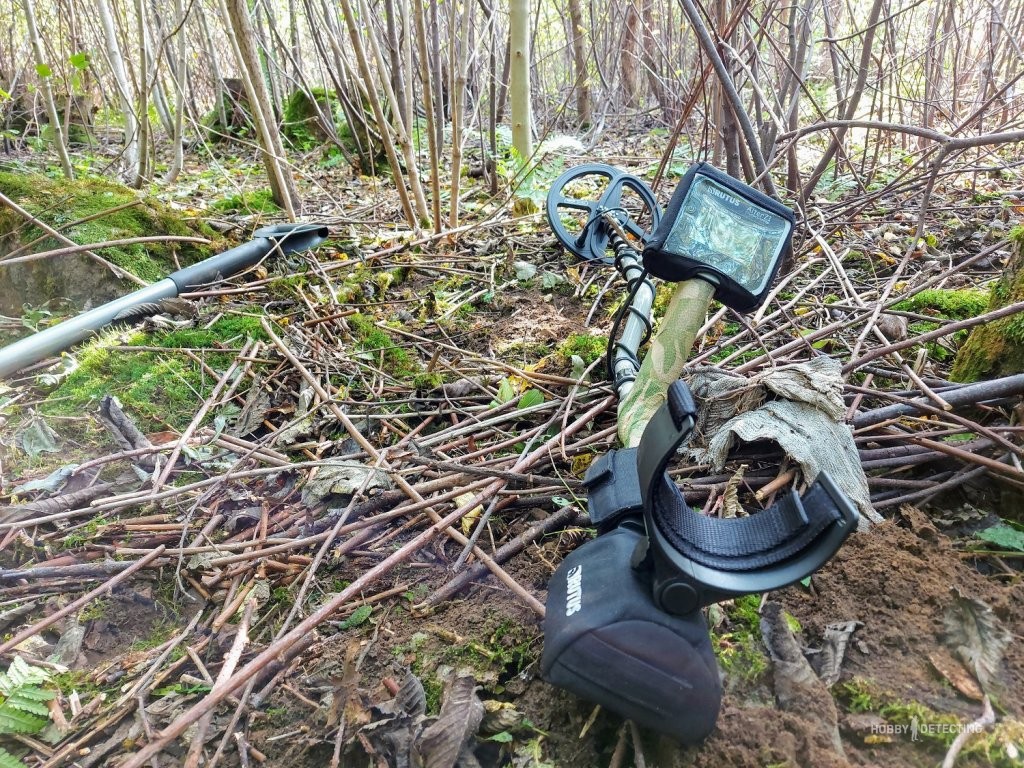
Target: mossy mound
948	304
87	211
304	114
158	388
231	116
303	124
997	349
257	201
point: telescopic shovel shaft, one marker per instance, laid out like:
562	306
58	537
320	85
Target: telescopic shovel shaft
286	237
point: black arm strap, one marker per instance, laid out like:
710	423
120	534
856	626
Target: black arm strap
699	560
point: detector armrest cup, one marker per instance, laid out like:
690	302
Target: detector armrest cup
699	560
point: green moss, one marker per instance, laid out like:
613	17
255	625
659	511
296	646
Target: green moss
62	202
433	691
79	680
738	649
256	201
979	198
301	120
997	348
524	352
97	609
584	345
229	329
161	632
425	382
746	612
151	386
935	730
953	305
375	342
158	388
937	350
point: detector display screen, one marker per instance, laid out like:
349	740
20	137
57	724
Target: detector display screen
720	230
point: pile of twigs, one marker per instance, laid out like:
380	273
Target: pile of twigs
430	461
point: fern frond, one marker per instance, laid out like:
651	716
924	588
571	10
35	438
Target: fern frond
33	693
22	699
31	704
14	720
21	673
7	760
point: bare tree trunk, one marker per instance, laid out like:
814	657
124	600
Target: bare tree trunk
408	104
490	162
43	69
459	64
155	52
729	87
220	93
630	55
649	59
850	107
519	77
382	124
130	159
503	82
720	112
833	53
264	55
799	30
419	200
142	171
581	77
431	110
293	37
437	71
395	60
178	139
282	186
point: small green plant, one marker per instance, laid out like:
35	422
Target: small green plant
359	616
376	345
23	708
97	609
739	650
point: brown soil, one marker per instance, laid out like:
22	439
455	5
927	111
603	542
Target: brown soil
896	580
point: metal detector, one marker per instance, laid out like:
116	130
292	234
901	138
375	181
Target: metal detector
624	626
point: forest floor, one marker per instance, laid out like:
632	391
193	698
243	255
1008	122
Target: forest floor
475	359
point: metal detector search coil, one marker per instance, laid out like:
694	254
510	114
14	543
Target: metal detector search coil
721	230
